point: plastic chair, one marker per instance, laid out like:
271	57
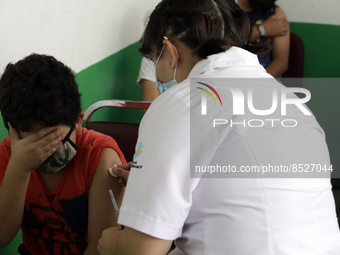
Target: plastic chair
124	133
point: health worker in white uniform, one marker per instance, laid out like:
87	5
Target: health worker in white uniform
228	161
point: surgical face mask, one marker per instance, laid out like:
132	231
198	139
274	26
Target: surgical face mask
61	157
164	86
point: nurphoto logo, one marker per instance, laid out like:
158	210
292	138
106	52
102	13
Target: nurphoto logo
242	100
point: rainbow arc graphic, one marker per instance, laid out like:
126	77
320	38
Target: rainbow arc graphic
209	93
204	100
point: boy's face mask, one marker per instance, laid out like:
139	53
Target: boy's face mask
61	157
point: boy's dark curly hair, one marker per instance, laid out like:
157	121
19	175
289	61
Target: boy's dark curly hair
39	90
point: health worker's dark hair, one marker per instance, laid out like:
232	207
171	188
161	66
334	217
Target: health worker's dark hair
205	26
39	90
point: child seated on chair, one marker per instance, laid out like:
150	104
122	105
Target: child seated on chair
272	51
54	182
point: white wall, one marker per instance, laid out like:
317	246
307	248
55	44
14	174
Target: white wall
77	32
83	32
312	11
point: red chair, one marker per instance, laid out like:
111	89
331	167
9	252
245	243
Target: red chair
125	134
296	58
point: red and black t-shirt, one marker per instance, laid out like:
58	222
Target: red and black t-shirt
55	222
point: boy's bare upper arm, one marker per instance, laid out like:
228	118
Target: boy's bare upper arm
101	211
280	13
280	51
281	44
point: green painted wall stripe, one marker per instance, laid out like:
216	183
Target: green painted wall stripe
3	130
325	106
322	51
322	56
113	78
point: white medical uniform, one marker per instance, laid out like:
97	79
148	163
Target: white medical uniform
146	71
233	216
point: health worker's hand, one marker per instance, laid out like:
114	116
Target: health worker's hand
106	244
123	172
31	151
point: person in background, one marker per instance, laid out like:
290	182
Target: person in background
54	182
146	79
272	50
172	195
275	25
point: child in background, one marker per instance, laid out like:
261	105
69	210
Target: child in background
54	182
272	51
275	26
146	79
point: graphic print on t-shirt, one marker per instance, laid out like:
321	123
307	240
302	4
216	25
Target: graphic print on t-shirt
62	232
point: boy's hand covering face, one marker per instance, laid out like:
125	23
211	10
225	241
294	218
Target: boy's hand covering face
61	157
30	149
